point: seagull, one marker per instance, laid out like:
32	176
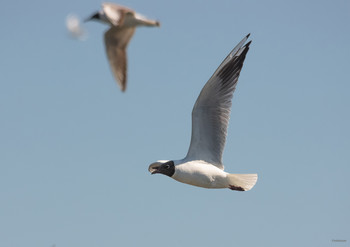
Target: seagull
123	22
202	165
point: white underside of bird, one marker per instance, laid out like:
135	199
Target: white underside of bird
202	174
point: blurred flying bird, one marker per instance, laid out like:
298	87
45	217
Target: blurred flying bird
210	116
123	22
74	27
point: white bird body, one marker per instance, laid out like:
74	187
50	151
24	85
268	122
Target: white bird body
200	173
202	165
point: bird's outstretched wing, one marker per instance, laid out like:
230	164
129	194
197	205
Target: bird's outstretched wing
116	41
211	112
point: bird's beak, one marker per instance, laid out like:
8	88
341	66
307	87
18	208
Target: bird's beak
94	16
153	168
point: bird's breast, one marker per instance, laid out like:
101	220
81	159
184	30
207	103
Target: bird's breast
201	175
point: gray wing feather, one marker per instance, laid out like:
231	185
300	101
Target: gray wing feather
116	42
211	112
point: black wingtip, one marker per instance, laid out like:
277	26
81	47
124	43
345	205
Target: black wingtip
247	45
247	35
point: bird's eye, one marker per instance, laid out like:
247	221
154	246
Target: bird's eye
167	166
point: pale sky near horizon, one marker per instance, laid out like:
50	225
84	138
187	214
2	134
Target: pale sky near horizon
75	150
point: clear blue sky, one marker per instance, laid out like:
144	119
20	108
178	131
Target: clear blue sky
74	150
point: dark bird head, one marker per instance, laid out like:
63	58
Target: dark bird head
95	16
162	167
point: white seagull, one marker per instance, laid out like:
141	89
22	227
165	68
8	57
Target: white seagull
210	116
123	22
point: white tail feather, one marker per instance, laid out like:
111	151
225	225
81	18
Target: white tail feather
242	182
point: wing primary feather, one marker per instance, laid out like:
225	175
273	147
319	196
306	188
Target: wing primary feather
211	112
234	66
